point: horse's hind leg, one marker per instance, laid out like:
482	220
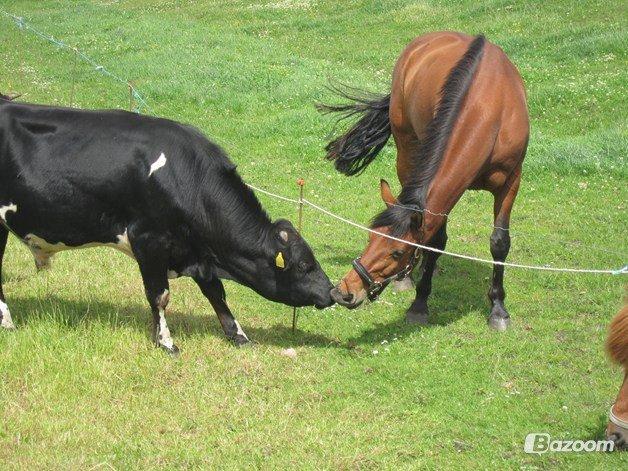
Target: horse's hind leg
5	315
407	145
499	319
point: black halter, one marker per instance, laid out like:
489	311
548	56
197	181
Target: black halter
375	288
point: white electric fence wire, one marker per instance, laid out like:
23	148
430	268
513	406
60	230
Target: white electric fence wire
279	197
19	21
621	271
23	25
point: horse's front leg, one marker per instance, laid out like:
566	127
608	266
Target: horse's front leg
418	311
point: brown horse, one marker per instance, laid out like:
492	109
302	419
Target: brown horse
617	346
457	111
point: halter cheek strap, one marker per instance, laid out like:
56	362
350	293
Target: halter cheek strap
375	288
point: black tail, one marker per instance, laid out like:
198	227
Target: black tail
358	147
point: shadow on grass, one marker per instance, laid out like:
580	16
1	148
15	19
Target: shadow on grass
459	289
75	314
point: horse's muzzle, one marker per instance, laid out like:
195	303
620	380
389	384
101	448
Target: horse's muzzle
347	300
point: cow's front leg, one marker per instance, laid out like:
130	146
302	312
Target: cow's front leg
153	263
215	293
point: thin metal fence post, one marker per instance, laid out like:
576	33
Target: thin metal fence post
73	72
301	184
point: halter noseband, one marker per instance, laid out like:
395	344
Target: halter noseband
375	288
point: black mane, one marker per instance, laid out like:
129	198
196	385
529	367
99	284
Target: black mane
431	150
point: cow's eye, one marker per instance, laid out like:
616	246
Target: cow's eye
302	266
397	254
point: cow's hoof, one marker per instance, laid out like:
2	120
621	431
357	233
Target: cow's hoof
498	322
173	351
241	341
403	285
419	318
6	323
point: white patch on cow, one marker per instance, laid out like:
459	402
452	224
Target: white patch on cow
172	274
7	322
240	331
157	164
43	250
5	209
164	332
123	244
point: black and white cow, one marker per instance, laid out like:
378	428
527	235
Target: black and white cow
156	190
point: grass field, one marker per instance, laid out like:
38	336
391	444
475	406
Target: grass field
82	387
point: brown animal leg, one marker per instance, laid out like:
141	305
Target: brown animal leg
617	347
407	145
616	431
499	319
418	311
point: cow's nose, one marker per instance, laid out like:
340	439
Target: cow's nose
347	300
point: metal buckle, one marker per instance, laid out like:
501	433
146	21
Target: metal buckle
375	290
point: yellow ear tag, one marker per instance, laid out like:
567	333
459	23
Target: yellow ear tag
279	261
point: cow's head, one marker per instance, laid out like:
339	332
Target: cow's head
291	275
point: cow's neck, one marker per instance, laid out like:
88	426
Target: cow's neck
243	249
237	228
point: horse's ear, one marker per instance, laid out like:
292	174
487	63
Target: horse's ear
387	196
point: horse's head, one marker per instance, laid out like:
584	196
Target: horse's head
384	259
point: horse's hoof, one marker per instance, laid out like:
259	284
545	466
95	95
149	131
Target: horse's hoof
499	323
403	285
419	318
618	439
172	351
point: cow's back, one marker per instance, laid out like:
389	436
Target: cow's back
81	176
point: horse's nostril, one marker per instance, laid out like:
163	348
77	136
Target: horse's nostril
348	298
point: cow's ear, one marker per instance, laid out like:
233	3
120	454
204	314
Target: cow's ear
387	196
284	232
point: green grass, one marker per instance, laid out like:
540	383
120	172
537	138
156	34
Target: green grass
81	385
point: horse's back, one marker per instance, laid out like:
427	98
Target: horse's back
424	65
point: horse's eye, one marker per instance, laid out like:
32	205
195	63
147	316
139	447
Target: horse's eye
397	254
